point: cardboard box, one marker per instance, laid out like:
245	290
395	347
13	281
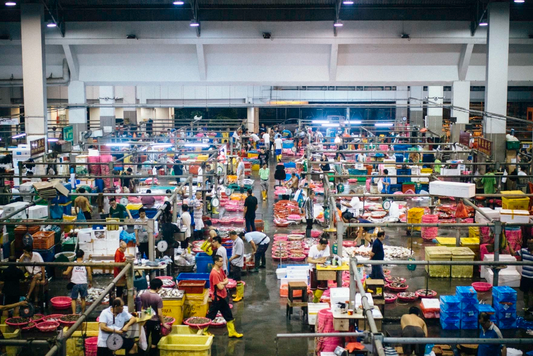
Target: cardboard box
514	216
58	185
375	287
452	189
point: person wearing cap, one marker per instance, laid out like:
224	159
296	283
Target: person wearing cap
259	242
318	254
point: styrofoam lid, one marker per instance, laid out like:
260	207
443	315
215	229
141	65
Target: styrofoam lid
340	293
430	303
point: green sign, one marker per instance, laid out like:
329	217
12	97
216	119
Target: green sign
68	133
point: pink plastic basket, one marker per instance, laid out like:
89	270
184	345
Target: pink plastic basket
61	302
167	278
47	326
198	326
91	346
482	286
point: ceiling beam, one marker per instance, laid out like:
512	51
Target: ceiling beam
333	61
72	62
202	64
464	60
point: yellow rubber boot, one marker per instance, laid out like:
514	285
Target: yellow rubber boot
316	295
240	292
205	332
264	192
231	330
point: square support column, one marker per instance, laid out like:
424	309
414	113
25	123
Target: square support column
434	116
252	122
416	111
461	98
77	114
107	114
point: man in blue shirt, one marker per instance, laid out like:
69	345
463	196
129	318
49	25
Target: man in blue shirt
386	182
490	331
526	283
378	254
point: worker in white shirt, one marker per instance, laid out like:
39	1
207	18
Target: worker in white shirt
278	142
255	138
240	173
266	140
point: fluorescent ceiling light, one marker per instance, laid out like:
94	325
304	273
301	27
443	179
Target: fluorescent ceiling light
355	122
320	121
178	2
520	1
51	24
19	135
196	145
11	3
331	125
483	23
194	23
384	124
338	23
347	2
117	144
166	145
53	139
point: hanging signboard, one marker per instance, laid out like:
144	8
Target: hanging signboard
8	121
484	145
464	138
68	133
37	147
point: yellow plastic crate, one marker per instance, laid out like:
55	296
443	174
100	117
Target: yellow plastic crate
446	241
438	253
196	304
202	158
473	232
185	345
414	216
426	170
174	308
183	330
255	167
68	228
517	202
462	254
134	206
11	333
470	242
75	343
253	155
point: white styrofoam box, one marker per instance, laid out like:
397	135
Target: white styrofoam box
313	309
287	280
85	235
506	277
392	172
99	252
113	235
358	301
37	212
10	208
431	303
93	152
453	189
493	214
87	248
281	273
514	216
111	247
99	244
338	295
424	180
26	188
503	257
298	272
130	251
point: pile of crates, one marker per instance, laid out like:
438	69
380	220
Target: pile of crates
450	314
468	306
504	304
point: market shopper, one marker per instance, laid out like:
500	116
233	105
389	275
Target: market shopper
386	182
278	145
120	257
266	140
250	206
118	211
490	331
219	296
221	251
526	282
264	175
81	279
413	327
115	319
259	242
141	233
240	173
309	211
489	182
293	183
148	201
378	254
152	299
12	276
35	273
186	220
263	157
236	264
81	204
318	254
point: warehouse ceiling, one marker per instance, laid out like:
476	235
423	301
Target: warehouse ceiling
269	10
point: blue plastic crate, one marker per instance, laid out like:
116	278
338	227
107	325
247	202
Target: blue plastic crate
485	308
401	147
469	325
194	277
204	263
399	157
403	172
395	188
506	315
469	305
465	293
288	144
469	315
448	302
450	324
450	315
507	324
504	294
503	307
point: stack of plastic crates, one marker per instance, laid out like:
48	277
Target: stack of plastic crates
485	308
469	307
450	314
504	304
403	172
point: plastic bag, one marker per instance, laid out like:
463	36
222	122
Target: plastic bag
461	212
143	343
81	216
127	237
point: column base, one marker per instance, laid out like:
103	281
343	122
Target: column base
435	124
498	146
416	118
77	128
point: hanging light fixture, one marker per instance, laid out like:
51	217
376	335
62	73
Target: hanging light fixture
194	23
338	23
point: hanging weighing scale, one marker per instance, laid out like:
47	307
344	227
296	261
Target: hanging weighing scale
220	170
229	191
114	342
294	149
162	246
340	188
215	202
27	311
386	204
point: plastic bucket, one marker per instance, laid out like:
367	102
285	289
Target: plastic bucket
70	255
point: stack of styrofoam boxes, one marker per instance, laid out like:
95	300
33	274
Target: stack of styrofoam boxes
504	304
37	212
338	295
112	240
313	309
85	242
26	188
469	307
298	273
509	276
450	314
491	213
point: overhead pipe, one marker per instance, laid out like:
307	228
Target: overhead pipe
64	80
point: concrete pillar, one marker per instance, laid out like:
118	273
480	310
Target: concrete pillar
434	114
416	111
107	114
77	116
252	122
401	108
461	98
130	97
34	70
497	75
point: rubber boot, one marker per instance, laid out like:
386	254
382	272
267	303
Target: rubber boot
231	330
264	192
215	211
316	295
240	292
205	332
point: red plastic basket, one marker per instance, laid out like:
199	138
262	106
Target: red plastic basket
67	323
37	317
52	317
30	326
17	325
421	293
397	289
406	299
61	302
47	326
294	258
390	298
231	284
482	286
91	346
198	326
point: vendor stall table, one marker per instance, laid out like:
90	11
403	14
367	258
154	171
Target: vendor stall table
331	273
341	322
159	270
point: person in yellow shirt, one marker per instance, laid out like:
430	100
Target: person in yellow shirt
82	204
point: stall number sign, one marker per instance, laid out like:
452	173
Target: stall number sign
484	146
37	147
68	133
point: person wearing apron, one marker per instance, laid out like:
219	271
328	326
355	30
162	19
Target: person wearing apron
318	254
